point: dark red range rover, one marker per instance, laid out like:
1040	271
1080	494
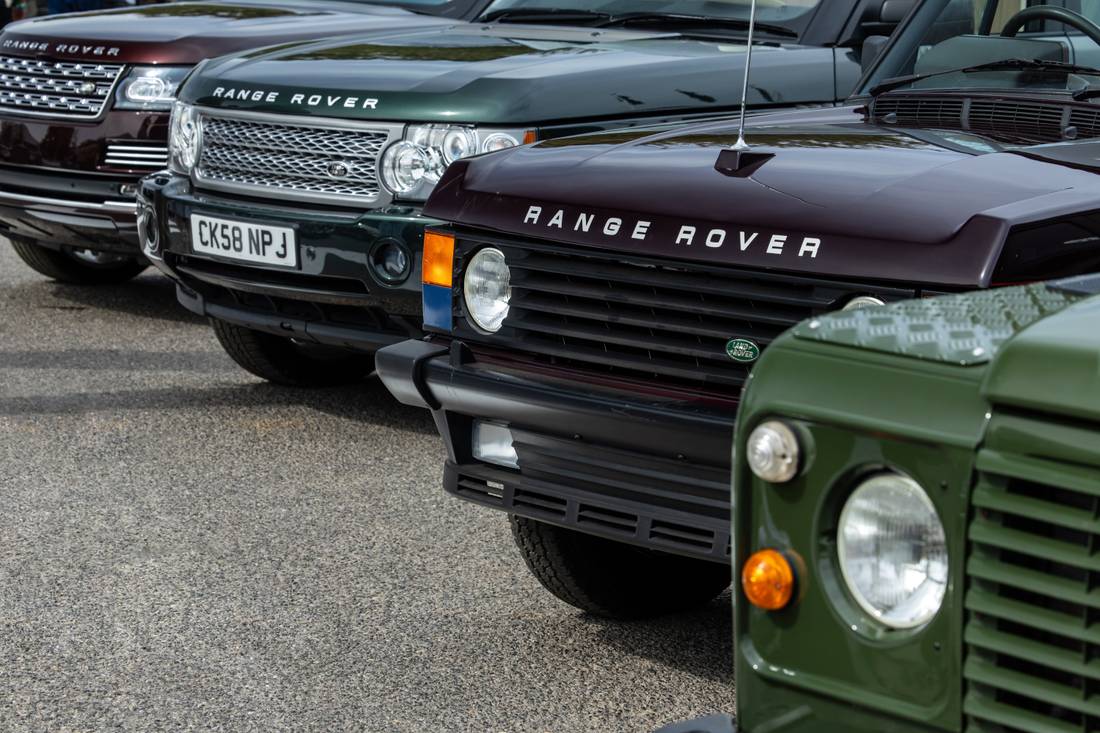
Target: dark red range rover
596	304
84	105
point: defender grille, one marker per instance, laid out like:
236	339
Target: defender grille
1033	603
1006	120
652	320
136	154
56	88
306	162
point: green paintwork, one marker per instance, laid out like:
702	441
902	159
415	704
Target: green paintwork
961	329
742	350
900	388
513	75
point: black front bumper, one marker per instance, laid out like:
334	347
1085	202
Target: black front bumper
331	299
66	209
652	474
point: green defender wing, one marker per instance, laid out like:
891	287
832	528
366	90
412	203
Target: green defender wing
942	518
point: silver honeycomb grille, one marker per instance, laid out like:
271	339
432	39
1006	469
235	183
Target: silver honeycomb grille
326	164
56	88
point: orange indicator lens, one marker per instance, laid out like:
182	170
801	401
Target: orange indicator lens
439	255
768	580
529	137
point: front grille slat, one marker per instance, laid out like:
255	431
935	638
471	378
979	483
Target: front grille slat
1032	633
313	163
56	88
136	154
631	319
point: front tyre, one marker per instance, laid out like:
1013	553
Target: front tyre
282	361
612	579
79	266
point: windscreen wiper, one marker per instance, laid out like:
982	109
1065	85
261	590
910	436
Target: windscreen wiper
544	15
679	20
1003	65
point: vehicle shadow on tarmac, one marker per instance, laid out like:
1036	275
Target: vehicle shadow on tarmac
367	402
698	642
148	296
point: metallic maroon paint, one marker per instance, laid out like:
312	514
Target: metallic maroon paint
885	203
55	187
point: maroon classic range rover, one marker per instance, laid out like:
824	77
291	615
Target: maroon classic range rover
84	104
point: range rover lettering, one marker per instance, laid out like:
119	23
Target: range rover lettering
333	148
596	304
84	105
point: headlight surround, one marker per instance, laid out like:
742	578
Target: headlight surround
892	550
150	87
411	168
184	138
487	288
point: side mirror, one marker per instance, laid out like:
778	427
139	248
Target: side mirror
872	47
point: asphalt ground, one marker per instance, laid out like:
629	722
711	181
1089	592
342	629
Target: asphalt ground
183	547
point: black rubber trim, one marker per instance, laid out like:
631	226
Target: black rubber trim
401	369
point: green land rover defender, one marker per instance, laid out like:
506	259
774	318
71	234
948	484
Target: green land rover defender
917	519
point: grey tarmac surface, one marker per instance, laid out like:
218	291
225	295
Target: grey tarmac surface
183	547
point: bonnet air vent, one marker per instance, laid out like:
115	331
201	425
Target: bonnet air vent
921	111
1006	120
1021	120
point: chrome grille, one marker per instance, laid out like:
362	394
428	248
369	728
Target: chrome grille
308	162
56	88
1033	577
136	154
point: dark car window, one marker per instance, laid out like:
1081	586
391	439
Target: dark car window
948	34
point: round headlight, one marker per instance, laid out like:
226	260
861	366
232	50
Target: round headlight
498	141
773	452
404	167
487	288
458	143
863	301
893	551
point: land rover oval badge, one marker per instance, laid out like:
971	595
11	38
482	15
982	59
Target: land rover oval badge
742	350
339	170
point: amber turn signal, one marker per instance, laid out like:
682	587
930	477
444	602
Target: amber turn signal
768	580
439	255
529	137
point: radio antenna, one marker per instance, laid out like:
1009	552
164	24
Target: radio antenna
741	144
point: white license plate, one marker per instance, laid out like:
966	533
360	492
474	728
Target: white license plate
238	240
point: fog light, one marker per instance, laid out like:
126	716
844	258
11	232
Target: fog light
492	443
773	452
390	262
148	229
768	580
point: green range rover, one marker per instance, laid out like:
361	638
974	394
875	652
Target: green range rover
291	213
917	519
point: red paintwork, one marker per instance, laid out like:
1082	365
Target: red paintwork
186	33
75	146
